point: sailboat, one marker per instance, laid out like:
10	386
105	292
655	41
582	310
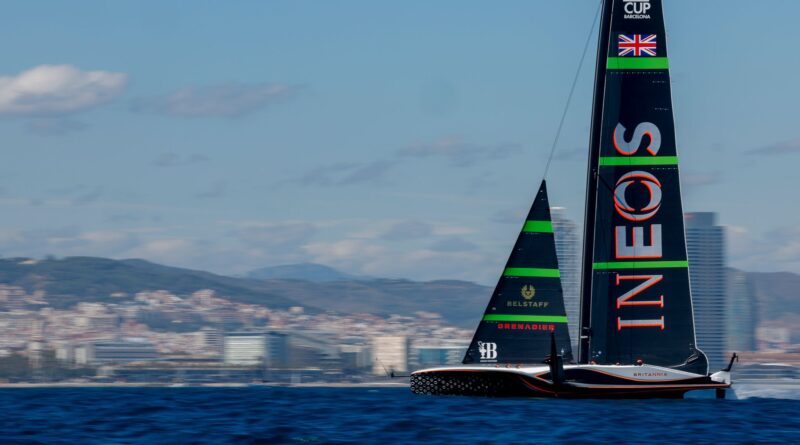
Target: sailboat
637	334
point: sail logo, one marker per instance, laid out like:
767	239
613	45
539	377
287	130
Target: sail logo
648	186
528	291
488	351
637	9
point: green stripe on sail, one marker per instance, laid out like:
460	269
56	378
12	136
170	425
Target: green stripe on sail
613	161
637	63
527	318
538	227
531	272
640	265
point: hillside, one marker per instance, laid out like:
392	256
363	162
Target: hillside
316	273
72	280
459	302
777	297
75	279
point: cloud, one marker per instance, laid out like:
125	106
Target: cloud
459	152
215	190
277	236
508	216
230	100
408	230
368	258
780	148
163	248
53	126
773	250
178	160
52	90
570	154
65	241
694	180
76	195
454	244
343	174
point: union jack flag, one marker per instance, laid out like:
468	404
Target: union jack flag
637	45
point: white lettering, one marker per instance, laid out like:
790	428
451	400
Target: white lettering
638	249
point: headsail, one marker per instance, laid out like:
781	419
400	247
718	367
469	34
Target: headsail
636	295
527	305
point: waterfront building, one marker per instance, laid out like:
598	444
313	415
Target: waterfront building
439	354
245	348
119	351
705	242
277	354
212	340
355	357
390	354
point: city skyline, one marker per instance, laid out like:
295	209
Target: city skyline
304	141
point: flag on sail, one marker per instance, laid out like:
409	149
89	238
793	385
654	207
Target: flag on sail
637	45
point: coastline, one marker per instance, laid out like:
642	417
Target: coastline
201	385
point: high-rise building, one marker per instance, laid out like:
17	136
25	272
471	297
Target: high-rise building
390	354
277	349
705	242
568	251
212	340
741	313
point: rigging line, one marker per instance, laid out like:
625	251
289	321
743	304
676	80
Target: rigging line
572	89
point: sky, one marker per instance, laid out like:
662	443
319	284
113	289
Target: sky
401	139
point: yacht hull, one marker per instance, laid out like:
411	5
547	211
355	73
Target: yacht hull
581	381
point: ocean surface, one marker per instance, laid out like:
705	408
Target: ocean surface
266	415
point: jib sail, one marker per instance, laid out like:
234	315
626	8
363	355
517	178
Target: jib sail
635	295
527	304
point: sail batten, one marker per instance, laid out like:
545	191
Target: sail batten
528	304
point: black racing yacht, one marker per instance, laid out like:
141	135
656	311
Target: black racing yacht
637	334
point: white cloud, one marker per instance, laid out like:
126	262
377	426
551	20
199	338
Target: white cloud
407	230
459	152
343	174
276	236
57	90
773	250
367	257
780	148
228	100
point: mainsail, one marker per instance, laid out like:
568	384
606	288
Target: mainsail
636	300
527	305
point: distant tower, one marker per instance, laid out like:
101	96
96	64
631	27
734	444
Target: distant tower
741	313
569	262
705	241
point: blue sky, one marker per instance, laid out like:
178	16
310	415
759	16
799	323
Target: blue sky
401	140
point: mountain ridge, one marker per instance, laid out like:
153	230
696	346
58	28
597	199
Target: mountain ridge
72	280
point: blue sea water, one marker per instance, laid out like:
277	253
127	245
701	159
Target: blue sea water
266	415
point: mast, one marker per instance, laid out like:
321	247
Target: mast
591	181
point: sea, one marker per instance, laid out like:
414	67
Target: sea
284	415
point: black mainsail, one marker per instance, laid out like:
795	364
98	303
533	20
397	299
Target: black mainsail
528	304
636	300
